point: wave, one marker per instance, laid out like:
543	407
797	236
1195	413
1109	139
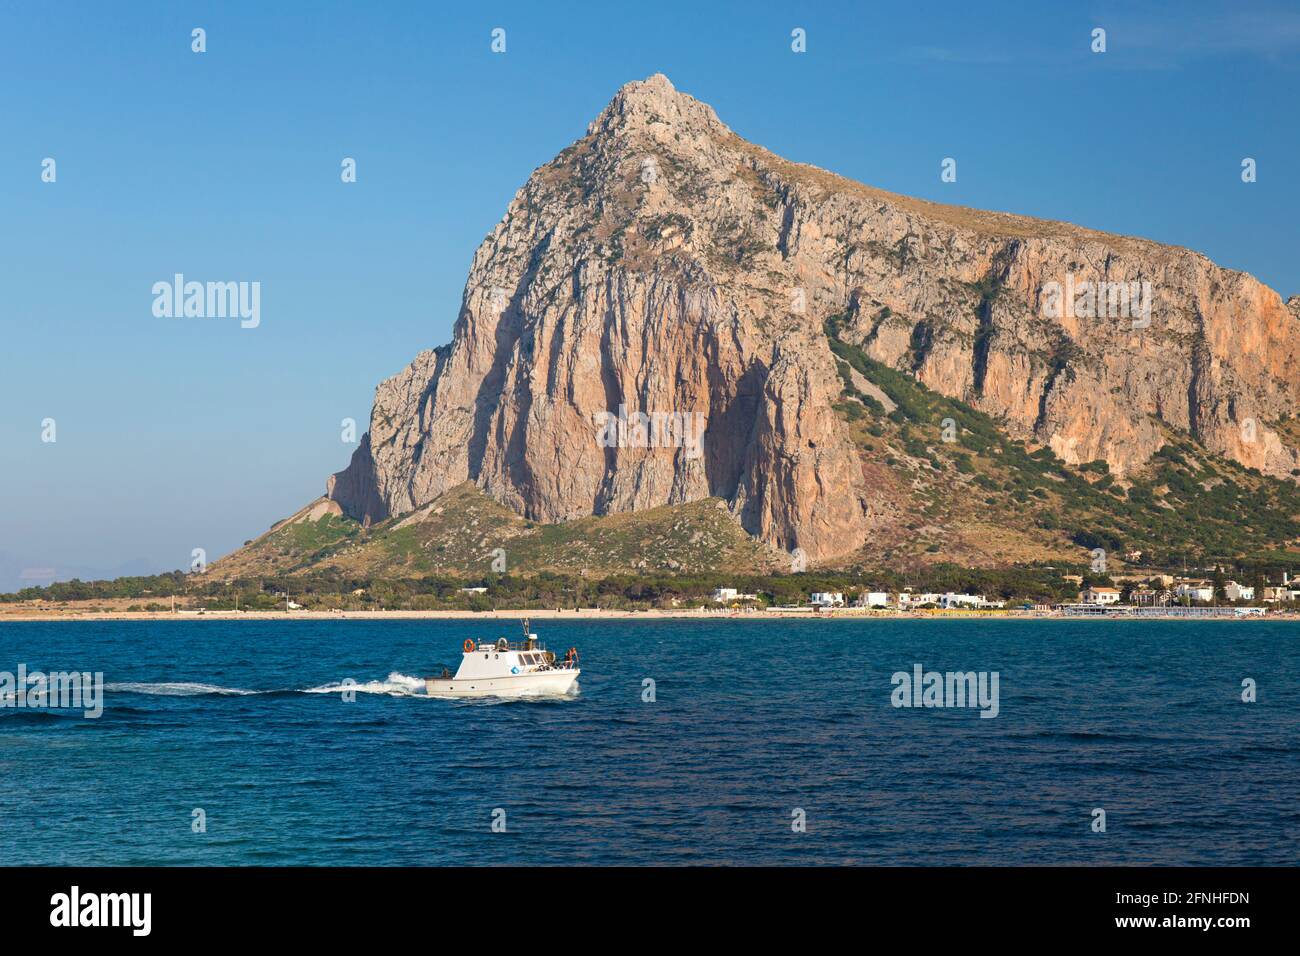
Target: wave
179	689
395	685
38	714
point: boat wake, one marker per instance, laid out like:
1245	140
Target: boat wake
179	689
396	684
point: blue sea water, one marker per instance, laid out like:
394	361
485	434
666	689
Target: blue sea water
751	721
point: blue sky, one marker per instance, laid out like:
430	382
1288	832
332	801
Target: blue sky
175	434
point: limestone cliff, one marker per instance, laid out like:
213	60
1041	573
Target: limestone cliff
662	265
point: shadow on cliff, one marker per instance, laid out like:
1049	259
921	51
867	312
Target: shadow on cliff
507	335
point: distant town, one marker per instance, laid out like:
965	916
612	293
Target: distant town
1160	595
1031	591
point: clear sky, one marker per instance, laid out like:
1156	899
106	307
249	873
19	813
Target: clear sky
173	434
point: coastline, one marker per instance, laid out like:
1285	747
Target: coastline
596	614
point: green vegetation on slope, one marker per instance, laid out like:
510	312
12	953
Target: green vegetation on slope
1186	506
466	533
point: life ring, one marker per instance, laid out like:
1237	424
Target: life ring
468	645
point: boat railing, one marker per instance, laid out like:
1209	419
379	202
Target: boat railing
505	645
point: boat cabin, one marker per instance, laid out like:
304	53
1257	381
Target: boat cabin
484	659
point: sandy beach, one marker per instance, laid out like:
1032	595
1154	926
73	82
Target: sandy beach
32	611
73	614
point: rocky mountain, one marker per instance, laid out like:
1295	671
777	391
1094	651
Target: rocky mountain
662	265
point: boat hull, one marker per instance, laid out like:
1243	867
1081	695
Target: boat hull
537	684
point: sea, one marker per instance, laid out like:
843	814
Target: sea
688	742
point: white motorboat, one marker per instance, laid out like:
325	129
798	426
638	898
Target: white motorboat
507	669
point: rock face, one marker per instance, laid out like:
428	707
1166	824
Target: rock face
663	265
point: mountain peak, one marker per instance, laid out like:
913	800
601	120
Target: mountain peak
655	101
657	82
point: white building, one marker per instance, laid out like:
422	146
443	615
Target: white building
874	599
1238	592
723	595
1195	591
1100	596
826	598
954	600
